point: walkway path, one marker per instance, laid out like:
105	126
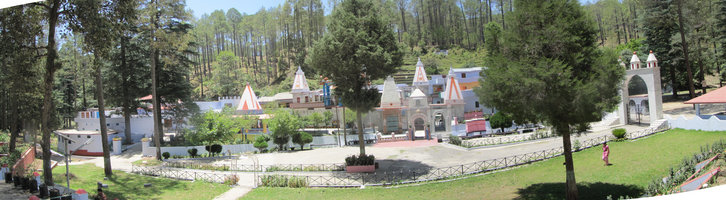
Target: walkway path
8	191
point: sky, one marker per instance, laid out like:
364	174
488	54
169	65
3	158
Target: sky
250	6
243	6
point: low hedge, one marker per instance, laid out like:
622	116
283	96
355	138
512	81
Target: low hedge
619	133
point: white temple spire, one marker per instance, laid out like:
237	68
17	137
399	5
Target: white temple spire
300	84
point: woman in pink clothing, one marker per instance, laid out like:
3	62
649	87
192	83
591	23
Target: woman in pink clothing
605	153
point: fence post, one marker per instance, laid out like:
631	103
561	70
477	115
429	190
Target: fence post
462	170
414	175
505	162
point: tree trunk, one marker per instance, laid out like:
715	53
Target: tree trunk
102	119
154	95
501	4
564	130
361	140
14	131
684	45
50	67
127	97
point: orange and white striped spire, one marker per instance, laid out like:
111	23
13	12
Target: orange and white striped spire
452	94
300	84
249	102
420	75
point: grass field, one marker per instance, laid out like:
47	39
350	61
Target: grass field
131	186
635	164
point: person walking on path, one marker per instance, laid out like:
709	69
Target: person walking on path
605	153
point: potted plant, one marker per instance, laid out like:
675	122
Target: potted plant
358	164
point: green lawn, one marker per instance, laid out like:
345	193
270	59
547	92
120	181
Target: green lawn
635	164
131	186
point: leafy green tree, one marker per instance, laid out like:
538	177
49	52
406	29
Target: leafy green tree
550	70
500	120
302	138
214	128
315	119
19	69
283	125
328	117
359	48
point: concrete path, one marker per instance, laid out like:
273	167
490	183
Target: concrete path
8	191
234	193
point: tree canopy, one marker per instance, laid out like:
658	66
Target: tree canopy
358	48
550	70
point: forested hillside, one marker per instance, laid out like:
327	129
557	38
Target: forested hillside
216	54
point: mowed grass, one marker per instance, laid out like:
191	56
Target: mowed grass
131	186
635	164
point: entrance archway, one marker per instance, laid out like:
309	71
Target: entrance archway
439	122
642	86
418	124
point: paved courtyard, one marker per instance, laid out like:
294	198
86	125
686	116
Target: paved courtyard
411	156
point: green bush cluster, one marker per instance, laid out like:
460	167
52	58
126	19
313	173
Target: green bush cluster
261	142
677	175
360	160
166	155
455	140
283	181
619	133
192	152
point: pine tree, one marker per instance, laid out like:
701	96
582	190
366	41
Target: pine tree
659	27
358	48
551	70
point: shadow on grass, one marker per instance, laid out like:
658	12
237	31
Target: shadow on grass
596	190
132	187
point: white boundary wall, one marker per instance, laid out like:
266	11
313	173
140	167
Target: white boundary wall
704	122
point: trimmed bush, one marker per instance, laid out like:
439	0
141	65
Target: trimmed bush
260	144
455	140
360	160
216	149
166	155
619	133
192	152
302	138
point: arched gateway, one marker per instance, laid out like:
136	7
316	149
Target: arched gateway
650	74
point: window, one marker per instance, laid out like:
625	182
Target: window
298	100
306	99
418	102
463	75
108	124
476	104
88	136
116	124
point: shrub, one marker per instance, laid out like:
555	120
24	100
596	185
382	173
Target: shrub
619	133
216	149
165	155
302	138
455	140
297	182
260	144
273	181
360	160
192	152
